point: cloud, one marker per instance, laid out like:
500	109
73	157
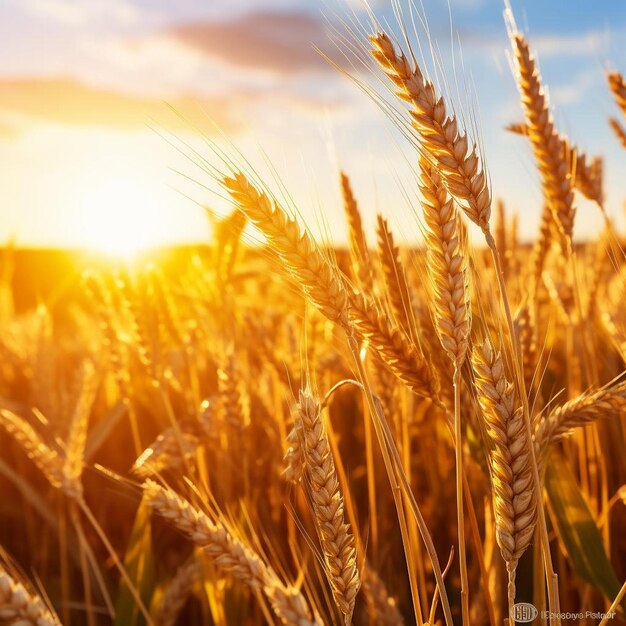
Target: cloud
577	88
281	42
65	101
578	44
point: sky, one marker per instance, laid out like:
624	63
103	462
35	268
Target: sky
113	113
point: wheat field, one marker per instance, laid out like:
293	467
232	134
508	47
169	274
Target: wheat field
296	433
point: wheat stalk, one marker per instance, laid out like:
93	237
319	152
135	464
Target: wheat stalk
509	459
328	506
447	269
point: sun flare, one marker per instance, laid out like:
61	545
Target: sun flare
122	218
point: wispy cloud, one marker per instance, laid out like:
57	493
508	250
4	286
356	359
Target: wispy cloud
591	43
280	42
577	88
64	101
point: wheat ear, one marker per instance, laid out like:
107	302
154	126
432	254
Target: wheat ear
439	132
383	609
294	460
20	607
587	173
328	506
447	265
169	450
618	130
550	152
396	280
617	84
49	462
229	554
580	411
359	252
177	592
302	256
509	459
393	346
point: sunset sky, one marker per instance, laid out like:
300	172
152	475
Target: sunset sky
107	106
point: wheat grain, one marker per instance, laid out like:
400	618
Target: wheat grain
618	130
587	175
396	280
168	451
617	84
49	462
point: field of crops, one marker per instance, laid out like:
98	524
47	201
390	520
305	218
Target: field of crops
302	434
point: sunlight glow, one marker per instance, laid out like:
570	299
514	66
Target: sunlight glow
122	218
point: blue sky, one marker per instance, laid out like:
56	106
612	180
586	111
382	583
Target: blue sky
84	84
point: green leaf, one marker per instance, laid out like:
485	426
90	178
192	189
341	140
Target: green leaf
139	564
577	529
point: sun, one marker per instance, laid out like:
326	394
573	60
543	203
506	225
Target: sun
122	218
